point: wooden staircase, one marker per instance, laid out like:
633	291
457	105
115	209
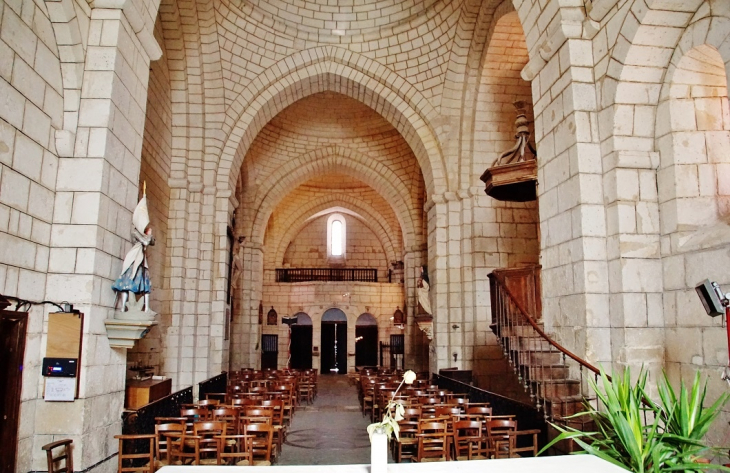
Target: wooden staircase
554	377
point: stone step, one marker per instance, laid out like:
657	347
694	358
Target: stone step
542	372
538	358
562	407
558	388
533	343
518	330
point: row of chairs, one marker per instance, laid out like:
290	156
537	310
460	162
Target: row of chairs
447	438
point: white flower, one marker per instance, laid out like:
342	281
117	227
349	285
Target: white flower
409	376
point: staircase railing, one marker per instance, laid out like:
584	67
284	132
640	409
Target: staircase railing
548	371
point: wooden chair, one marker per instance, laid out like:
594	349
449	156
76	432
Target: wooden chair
432	441
220	397
142	462
406	446
230	416
236	450
263	437
468	441
502	435
63	454
194	415
208	403
208	442
168	441
277	421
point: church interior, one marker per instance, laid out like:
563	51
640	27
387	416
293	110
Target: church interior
333	185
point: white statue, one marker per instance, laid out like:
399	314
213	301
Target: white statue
135	276
237	263
424	290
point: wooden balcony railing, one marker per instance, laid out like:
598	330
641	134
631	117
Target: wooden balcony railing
326	274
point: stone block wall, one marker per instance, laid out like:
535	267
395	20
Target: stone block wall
354	299
363	249
155	172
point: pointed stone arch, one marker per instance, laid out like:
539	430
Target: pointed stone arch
384	181
335	69
381	229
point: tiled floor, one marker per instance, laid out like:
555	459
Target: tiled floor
331	431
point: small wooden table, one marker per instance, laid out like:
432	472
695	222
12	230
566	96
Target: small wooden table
143	391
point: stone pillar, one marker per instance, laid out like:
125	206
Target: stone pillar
633	254
97	186
245	330
572	212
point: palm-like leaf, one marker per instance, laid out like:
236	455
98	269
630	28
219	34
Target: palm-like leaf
671	442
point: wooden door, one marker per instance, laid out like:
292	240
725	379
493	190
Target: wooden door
366	348
269	352
301	347
13	327
328	348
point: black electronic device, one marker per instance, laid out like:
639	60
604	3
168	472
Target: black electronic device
712	298
60	367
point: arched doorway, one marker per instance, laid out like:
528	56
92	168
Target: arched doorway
366	341
301	342
334	342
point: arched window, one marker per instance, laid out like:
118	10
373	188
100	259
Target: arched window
336	238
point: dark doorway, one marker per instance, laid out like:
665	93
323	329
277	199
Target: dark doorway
366	341
13	327
301	342
334	321
269	352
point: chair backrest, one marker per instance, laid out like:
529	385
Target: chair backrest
165	437
263	436
208	402
194	415
129	457
480	411
412	413
447	411
59	452
208	435
229	415
466	431
236	450
498	433
432	440
277	409
259	413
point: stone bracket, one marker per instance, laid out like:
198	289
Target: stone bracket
425	323
123	333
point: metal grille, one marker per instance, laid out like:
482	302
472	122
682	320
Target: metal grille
270	343
326	274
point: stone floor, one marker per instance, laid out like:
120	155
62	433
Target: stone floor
331	431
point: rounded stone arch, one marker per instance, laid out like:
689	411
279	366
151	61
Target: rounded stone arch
366	319
330	68
620	88
303	318
369	214
691	135
335	314
375	176
465	76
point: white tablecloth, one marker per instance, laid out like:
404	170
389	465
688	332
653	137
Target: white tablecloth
558	464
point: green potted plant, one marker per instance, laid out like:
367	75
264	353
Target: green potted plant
640	435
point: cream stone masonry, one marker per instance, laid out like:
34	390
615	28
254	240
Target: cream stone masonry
263	118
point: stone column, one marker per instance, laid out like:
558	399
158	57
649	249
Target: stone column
572	212
634	264
97	186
